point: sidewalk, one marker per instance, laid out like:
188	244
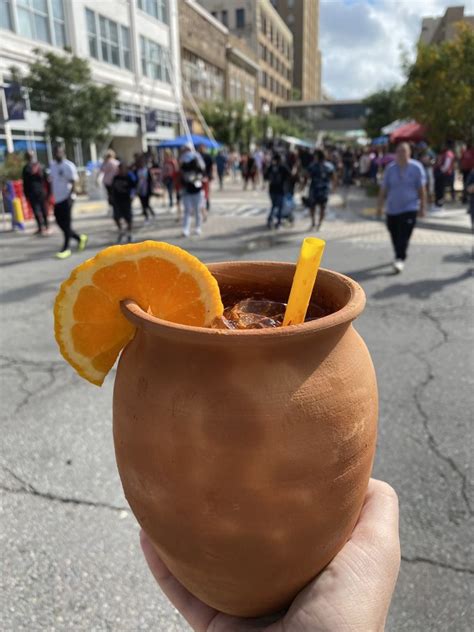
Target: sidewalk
453	217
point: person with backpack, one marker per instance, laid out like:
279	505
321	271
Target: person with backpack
193	170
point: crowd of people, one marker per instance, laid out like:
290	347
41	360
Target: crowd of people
185	178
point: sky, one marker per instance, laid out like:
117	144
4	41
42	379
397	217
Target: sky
361	41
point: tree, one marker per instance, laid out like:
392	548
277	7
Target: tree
62	87
383	107
439	92
232	124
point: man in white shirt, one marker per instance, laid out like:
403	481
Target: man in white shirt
63	175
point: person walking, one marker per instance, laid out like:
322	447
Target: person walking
108	170
193	170
321	174
278	176
144	187
208	176
348	167
221	167
34	183
443	173
403	189
170	175
63	176
466	164
122	188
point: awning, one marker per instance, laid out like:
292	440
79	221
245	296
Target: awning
299	142
380	140
180	141
391	127
411	131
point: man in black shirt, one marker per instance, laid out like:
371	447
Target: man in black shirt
34	183
278	176
208	175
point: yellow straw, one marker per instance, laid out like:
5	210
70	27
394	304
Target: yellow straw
303	282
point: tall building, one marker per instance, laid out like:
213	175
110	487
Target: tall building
215	65
130	44
265	32
444	28
302	16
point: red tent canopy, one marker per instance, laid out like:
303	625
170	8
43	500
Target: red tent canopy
411	131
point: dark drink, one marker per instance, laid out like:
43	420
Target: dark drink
257	313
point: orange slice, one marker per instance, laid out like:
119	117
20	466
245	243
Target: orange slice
164	280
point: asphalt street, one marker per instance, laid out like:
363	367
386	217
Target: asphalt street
70	553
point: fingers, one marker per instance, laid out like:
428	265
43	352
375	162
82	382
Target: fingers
196	613
378	521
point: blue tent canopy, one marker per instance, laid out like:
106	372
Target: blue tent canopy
184	140
380	140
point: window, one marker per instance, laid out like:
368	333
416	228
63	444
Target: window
205	80
33	20
291	4
126	56
108	41
156	8
59	26
5	15
240	18
264	23
225	17
153	59
92	34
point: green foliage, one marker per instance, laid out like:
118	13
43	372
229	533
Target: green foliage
440	88
232	124
384	107
11	168
62	86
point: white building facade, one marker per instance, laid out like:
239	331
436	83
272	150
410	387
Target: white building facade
130	44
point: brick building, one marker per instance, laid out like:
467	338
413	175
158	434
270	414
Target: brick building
259	24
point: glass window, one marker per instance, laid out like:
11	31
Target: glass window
33	20
153	60
225	17
92	34
113	43
125	34
240	18
5	15
156	8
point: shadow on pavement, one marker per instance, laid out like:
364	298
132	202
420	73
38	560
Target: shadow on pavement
25	292
420	289
371	273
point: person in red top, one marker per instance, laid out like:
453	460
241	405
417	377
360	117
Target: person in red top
466	164
443	172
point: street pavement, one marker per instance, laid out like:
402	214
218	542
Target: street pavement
70	553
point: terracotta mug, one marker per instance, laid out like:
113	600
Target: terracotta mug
245	455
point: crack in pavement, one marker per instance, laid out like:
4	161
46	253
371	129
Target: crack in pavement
28	488
417	398
444	565
20	366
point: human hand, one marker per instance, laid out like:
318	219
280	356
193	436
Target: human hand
352	594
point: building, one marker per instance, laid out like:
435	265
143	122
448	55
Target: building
444	29
131	44
216	66
242	73
302	17
326	116
259	24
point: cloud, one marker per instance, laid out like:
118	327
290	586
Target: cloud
362	41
